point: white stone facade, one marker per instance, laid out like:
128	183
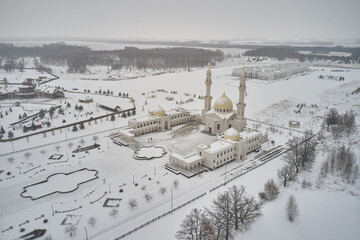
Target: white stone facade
234	140
158	120
272	72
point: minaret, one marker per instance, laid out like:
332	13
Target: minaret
207	98
241	105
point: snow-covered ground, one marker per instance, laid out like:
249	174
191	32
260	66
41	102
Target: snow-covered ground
272	102
16	76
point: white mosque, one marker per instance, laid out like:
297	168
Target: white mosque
234	140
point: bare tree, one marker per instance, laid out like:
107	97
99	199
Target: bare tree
70	144
307	151
71	230
292	156
355	174
148	197
95	138
250	211
195	226
42	151
82	141
175	183
237	195
92	221
291	208
341	161
113	212
271	190
133	203
287	174
27	155
57	147
221	212
11	159
162	190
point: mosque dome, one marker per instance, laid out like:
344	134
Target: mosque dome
232	134
159	112
223	104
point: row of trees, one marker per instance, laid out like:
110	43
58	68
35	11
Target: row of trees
300	156
231	211
340	124
281	53
77	58
342	162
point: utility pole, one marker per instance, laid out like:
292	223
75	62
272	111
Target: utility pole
171	200
86	233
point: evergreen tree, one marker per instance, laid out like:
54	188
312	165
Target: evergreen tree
10	134
81	125
2	130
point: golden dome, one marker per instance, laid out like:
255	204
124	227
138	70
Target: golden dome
159	112
223	103
232	134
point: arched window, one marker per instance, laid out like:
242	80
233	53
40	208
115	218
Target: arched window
229	125
218	127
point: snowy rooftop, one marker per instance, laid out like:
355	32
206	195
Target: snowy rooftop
127	132
143	118
224	115
188	159
217	146
249	134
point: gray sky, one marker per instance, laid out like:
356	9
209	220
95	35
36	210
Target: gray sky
181	19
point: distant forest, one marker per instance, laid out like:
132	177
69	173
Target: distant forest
77	58
281	53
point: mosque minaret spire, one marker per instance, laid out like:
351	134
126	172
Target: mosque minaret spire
207	98
241	104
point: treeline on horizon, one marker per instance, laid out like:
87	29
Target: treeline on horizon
281	53
77	58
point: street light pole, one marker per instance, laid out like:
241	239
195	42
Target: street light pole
171	200
225	175
86	233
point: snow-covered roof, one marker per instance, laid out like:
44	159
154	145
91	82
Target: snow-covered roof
143	118
221	115
249	134
188	159
217	146
127	132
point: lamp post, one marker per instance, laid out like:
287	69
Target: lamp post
171	200
86	233
225	175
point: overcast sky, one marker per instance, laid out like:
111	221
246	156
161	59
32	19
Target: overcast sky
181	19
